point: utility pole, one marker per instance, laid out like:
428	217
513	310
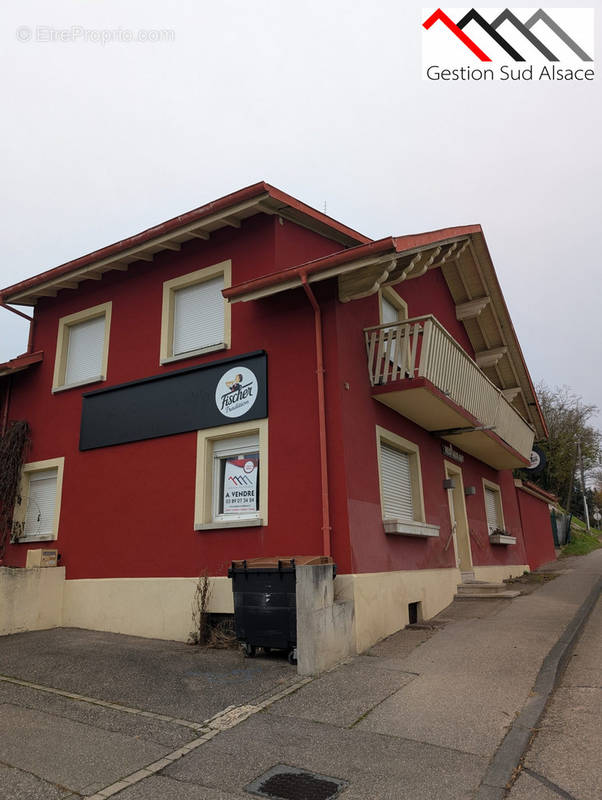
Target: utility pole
580	457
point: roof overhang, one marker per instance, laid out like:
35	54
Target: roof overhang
20	363
201	223
463	257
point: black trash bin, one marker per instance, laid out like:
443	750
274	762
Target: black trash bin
265	602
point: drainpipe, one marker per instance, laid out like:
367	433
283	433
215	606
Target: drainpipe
6	405
25	316
321	416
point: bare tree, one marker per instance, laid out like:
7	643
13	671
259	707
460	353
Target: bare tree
567	418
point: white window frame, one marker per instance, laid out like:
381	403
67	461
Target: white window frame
20	512
389	294
418	526
170	288
495	488
207	476
62	346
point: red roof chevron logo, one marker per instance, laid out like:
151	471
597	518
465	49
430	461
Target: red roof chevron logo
491	29
441	16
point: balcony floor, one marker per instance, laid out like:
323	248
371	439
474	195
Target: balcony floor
420	401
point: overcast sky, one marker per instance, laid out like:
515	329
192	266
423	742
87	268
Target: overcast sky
324	100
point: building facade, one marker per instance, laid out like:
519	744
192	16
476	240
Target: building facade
254	378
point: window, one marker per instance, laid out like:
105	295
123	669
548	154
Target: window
231	481
396	341
396	481
235	478
493	506
196	318
392	307
401	486
82	347
37	512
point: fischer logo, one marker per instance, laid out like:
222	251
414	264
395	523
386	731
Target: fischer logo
523	44
236	392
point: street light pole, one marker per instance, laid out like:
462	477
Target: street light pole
580	457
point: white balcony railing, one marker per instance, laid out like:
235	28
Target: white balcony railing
421	348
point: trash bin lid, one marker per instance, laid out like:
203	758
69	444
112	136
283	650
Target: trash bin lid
271	562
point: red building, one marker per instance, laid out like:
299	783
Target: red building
254	378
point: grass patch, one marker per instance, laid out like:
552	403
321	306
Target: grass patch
582	543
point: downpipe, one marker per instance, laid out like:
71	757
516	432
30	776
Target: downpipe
326	528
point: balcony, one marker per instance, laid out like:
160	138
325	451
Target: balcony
420	371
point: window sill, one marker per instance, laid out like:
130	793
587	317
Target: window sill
498	538
28	539
405	528
66	386
192	353
253	522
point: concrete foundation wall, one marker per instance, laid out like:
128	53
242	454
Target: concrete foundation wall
158	608
498	574
31	599
381	599
324	627
335	619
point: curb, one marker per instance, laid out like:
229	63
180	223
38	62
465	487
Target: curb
509	754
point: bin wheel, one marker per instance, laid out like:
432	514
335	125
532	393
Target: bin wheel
292	656
249	650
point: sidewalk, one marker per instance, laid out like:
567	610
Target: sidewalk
564	758
421	715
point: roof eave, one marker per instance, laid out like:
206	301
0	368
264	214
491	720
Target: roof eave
198	223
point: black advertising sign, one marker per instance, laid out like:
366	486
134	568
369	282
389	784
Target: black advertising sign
219	393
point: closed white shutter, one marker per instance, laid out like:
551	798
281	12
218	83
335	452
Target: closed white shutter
85	349
491	508
198	316
41	503
388	312
396	483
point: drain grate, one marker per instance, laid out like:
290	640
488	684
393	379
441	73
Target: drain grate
290	783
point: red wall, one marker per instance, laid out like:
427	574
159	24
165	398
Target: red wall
537	527
429	295
371	549
128	510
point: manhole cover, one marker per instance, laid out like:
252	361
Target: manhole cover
290	783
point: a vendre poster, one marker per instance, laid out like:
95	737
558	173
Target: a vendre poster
240	485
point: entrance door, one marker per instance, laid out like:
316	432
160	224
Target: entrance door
459	520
